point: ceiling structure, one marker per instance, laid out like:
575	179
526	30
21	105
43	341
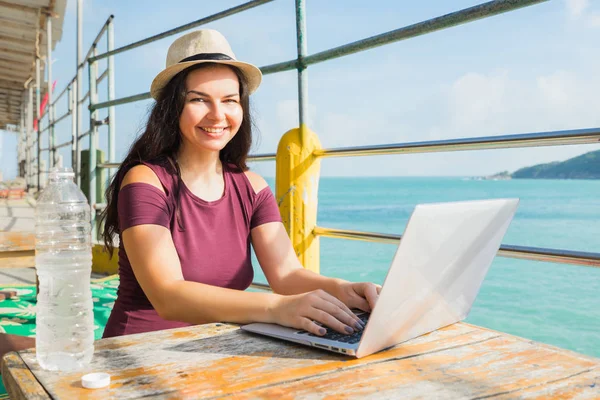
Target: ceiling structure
22	36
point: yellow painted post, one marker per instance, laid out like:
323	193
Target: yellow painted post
296	190
102	263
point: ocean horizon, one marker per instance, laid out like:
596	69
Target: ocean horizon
553	303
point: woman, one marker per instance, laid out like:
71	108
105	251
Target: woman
186	210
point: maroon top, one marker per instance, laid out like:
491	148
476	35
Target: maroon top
212	240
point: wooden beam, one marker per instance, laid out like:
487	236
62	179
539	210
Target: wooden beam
15	30
12	113
4	64
5	99
21	6
15	69
11	78
20	58
16	44
17	241
5	111
9	112
22	52
17	12
8	120
17	259
11	93
10	85
11	75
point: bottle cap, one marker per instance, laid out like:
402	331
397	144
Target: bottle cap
96	380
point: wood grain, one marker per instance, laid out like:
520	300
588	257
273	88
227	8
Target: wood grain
19	381
17	241
17	259
219	360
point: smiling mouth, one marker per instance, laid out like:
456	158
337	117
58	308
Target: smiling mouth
213	130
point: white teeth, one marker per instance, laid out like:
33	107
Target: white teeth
213	130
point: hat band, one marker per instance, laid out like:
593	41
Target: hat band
207	56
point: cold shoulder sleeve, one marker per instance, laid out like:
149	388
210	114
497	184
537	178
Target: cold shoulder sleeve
265	209
142	203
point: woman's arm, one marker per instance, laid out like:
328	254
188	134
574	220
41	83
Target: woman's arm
281	266
156	266
286	275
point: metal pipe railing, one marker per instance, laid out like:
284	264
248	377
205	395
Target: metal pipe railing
576	136
84	134
449	20
109	165
61	94
302	50
93	138
258	157
65	115
556	138
174	31
453	19
78	93
110	45
88	57
520	252
122	100
38	117
65	144
435	24
102	76
261	286
263	157
74	141
84	98
51	133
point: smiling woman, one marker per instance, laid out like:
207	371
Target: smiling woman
187	210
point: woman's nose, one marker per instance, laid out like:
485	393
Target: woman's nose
217	112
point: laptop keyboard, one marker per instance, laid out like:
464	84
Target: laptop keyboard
340	337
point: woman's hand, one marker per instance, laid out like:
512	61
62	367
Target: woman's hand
361	295
304	311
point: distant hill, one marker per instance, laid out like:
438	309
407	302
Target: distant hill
585	166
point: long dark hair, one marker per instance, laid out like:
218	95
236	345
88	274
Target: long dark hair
161	141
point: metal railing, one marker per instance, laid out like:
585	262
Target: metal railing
301	63
75	100
303	60
521	252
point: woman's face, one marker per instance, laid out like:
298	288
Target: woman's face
212	113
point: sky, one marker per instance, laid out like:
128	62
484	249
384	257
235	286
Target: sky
530	70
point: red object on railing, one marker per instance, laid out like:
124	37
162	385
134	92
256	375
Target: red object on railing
43	105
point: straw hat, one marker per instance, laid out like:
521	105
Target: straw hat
205	45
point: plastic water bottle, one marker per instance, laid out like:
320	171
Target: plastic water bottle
63	261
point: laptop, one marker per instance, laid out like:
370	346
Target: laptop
434	278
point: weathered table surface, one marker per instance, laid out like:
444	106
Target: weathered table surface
216	360
17	249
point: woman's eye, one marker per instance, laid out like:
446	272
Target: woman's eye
197	99
231	101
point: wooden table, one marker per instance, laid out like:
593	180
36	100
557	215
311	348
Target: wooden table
217	360
17	249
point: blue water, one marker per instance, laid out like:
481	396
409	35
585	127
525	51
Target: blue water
557	304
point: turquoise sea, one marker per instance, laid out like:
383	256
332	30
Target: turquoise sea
557	304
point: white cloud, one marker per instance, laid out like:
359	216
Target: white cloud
594	20
576	8
474	99
579	12
475	104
